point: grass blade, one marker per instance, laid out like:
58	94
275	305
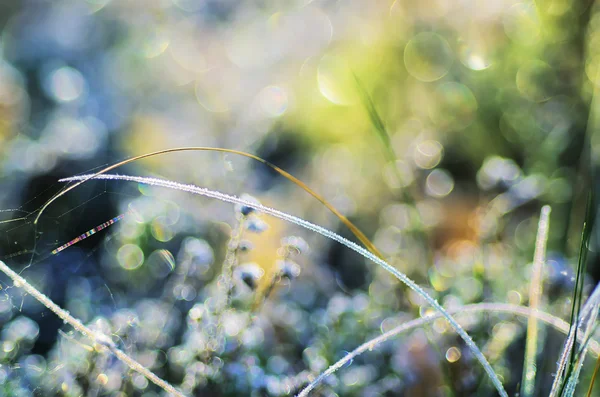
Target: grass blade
574	378
577	314
535	293
592	303
355	230
516	310
376	120
87	332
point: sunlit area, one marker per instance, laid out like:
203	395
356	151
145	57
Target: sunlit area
299	198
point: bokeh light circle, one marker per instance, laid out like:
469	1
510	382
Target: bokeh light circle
454	107
453	354
130	256
439	183
428	154
66	84
535	81
474	55
273	100
428	57
335	80
522	24
155	43
161	230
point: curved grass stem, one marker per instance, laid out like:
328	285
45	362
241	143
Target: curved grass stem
355	230
522	311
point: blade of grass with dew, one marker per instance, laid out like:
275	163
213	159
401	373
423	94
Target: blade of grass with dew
355	230
13	220
592	136
574	378
568	353
92	335
535	293
590	309
581	263
558	385
384	136
516	310
324	232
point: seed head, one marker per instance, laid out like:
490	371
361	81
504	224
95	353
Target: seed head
249	274
256	225
245	209
288	268
295	244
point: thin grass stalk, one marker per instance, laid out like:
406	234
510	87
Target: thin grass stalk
567	358
557	385
375	119
517	310
583	251
592	125
591	136
324	232
594	376
225	283
574	378
95	337
535	294
230	262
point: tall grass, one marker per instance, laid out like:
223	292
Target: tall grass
535	294
567	372
516	310
582	323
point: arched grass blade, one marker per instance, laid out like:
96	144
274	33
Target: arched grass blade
516	310
355	230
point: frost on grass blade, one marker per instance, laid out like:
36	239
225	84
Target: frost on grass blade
94	336
535	295
516	310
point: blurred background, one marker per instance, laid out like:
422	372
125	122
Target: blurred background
439	128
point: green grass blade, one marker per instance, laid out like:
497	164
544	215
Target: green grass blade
376	120
583	251
570	350
535	294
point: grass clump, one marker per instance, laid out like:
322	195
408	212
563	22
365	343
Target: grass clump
236	311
